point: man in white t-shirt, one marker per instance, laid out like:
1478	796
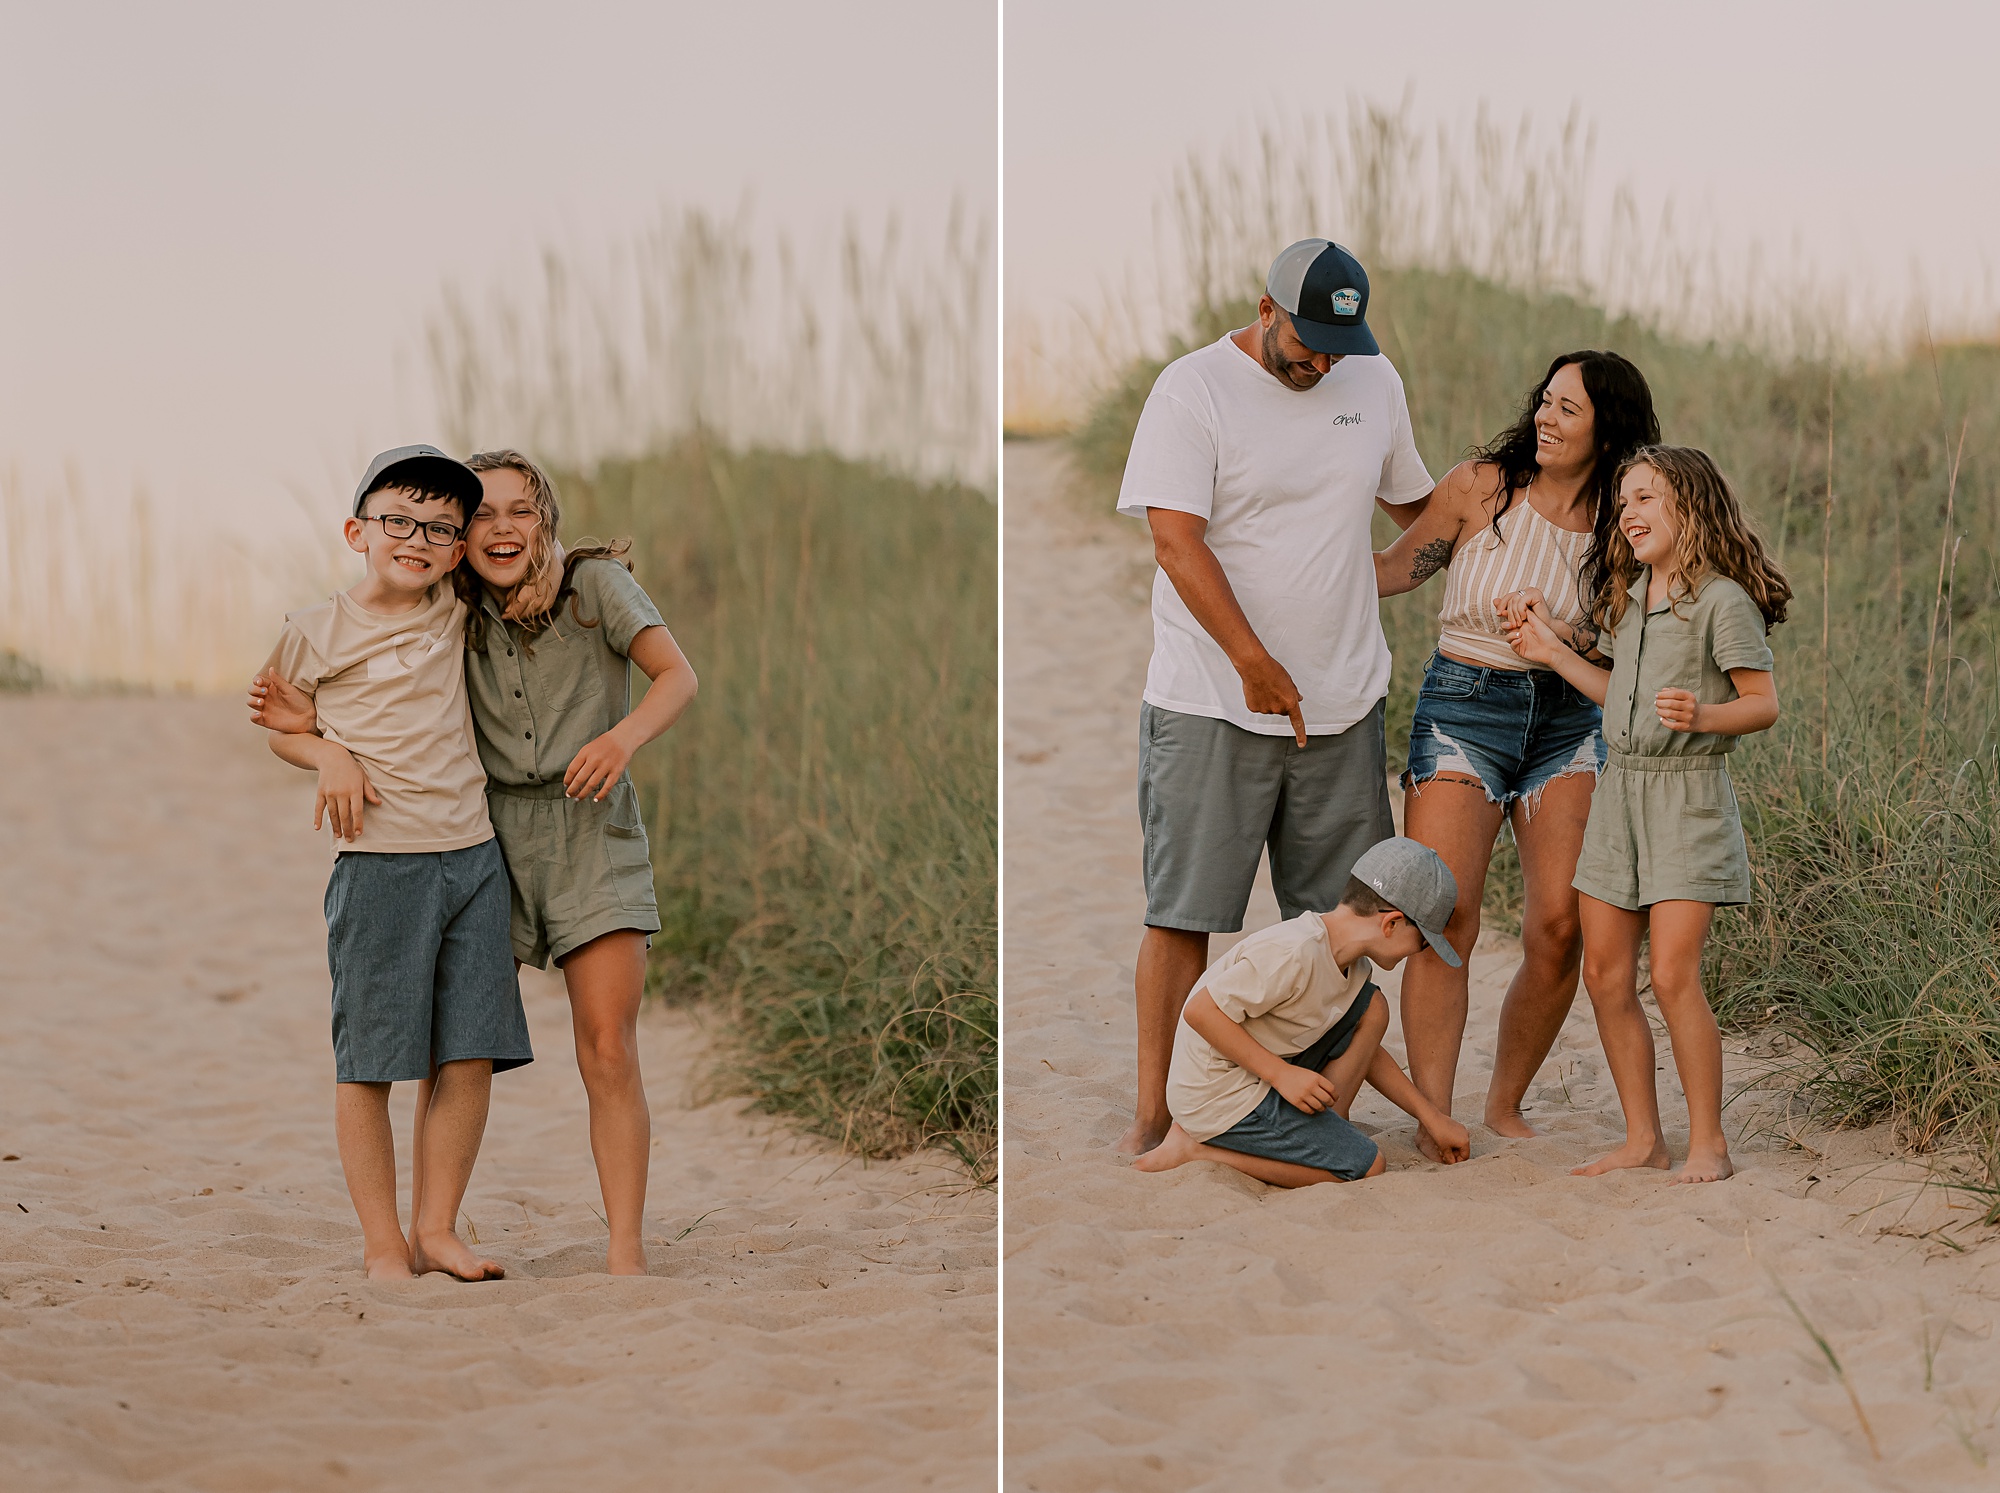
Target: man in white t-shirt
1258	463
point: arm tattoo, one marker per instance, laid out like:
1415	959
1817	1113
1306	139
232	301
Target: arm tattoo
1430	559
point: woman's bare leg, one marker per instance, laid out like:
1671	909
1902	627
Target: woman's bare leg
606	980
1611	974
1544	987
1679	930
1453	816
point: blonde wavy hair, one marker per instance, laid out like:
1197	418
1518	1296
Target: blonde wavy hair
1715	538
551	571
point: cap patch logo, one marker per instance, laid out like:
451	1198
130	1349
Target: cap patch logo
1346	302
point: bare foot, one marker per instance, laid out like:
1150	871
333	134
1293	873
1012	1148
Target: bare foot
389	1265
447	1252
1706	1166
1140	1138
1508	1122
1449	1144
627	1260
1177	1149
1631	1154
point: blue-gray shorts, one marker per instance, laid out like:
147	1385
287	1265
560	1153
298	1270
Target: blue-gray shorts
1516	730
1278	1132
1212	796
422	972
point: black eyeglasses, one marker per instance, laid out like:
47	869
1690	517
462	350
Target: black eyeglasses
402	526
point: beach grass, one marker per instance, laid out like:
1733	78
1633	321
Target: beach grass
824	818
1873	808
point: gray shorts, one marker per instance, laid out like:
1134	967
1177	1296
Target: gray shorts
579	869
417	944
1278	1132
1212	796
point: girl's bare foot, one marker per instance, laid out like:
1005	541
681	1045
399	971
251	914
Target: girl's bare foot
1140	1138
1631	1154
1706	1166
389	1265
1508	1122
447	1252
1177	1149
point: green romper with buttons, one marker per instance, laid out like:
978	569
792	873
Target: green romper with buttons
579	868
1663	822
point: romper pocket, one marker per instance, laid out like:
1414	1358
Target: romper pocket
1711	834
630	857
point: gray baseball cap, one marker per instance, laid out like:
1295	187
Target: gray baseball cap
425	464
1411	879
1324	290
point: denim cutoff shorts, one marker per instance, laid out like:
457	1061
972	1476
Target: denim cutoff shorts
1516	730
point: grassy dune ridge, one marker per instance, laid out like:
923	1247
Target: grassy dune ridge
1873	808
824	818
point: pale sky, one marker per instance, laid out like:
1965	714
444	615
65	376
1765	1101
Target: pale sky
1865	133
225	222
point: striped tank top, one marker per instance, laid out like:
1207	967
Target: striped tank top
1521	549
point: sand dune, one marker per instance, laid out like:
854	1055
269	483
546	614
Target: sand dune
181	1303
1499	1325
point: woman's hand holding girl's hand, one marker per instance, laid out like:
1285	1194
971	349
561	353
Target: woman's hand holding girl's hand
277	704
600	764
1679	710
1517	604
1534	639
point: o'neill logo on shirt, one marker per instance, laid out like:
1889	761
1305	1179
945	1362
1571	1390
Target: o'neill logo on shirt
1345	420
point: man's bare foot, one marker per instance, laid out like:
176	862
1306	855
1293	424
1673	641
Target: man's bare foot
447	1252
1177	1149
627	1259
1705	1166
1450	1144
1140	1138
389	1265
1509	1122
1631	1154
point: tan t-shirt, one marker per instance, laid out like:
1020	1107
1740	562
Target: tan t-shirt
390	687
1282	984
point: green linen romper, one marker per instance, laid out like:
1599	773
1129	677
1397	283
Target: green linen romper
1663	821
579	869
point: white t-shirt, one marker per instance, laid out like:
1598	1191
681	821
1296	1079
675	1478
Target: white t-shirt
390	687
1282	984
1287	479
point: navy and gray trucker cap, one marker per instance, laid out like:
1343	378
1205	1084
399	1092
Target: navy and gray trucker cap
1411	879
424	464
1325	292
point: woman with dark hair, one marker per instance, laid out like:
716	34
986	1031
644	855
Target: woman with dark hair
1495	738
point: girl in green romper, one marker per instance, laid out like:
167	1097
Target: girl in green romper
548	638
1685	624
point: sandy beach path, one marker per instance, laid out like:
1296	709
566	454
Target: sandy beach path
1495	1326
181	1300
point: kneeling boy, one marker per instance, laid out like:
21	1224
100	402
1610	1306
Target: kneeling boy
1279	1032
417	906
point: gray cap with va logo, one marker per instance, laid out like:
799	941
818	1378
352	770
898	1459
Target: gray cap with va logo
424	464
1411	879
1325	292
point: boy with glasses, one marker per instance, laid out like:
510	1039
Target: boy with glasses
417	906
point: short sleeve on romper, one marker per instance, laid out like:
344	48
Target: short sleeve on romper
1736	630
610	596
